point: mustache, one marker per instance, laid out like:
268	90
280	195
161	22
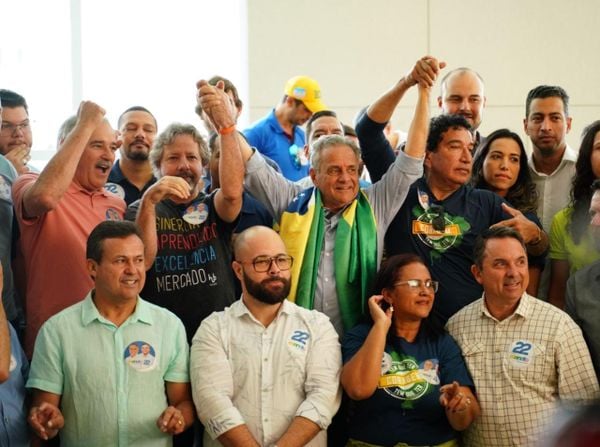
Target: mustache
273	279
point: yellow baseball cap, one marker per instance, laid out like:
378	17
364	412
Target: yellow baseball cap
306	90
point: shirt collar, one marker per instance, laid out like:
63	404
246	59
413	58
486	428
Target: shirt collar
116	175
90	313
75	188
569	156
274	123
522	310
239	308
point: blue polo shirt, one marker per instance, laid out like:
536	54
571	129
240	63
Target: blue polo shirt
267	136
119	185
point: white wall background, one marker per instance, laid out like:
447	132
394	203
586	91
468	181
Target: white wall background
357	48
150	52
117	53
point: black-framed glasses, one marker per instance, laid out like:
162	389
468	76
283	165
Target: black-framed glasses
416	284
439	219
262	264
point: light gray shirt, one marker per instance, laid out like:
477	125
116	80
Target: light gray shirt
385	196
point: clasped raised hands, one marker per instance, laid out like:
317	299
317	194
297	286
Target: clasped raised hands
217	104
425	72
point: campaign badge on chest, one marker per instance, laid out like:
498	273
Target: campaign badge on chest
116	189
112	214
140	356
196	214
521	353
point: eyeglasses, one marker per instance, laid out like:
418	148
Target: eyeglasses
415	284
262	264
10	128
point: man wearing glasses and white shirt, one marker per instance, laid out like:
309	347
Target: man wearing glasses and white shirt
257	376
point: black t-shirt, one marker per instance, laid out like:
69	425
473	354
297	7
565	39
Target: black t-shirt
191	275
467	213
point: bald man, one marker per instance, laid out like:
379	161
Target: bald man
462	93
239	355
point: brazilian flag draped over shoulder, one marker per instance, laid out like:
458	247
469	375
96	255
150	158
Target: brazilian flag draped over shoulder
355	253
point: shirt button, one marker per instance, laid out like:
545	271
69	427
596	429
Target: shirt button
326	279
265	359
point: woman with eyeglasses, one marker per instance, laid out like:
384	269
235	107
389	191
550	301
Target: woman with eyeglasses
406	376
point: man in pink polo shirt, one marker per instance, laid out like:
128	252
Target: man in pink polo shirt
58	208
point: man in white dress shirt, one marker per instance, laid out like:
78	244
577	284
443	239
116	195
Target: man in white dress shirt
257	376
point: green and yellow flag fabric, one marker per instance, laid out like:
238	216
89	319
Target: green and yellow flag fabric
355	252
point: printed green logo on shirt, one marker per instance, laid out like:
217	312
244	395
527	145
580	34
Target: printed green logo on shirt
403	378
452	235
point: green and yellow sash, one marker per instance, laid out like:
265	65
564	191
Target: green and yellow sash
355	252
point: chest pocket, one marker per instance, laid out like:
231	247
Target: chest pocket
474	353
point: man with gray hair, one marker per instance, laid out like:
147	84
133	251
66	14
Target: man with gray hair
187	233
334	230
58	208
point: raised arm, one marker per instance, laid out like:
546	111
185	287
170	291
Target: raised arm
47	191
388	194
222	113
377	153
268	186
424	73
361	373
419	126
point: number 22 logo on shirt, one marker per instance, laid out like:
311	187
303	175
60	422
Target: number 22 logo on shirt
521	353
